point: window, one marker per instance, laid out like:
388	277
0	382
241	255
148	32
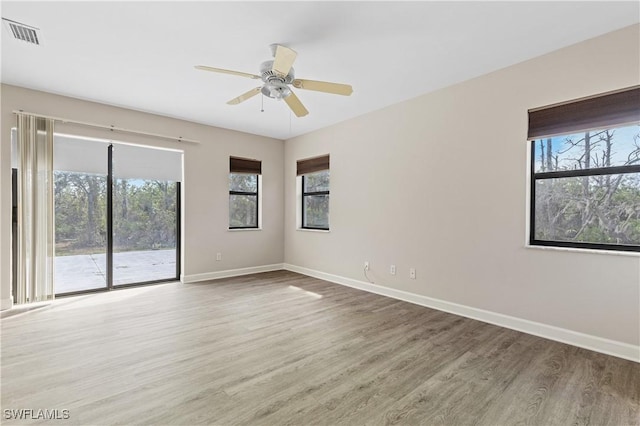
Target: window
585	173
244	183
314	174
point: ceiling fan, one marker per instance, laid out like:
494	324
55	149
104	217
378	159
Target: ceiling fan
277	75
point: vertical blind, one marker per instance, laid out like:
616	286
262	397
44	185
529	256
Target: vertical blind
597	112
311	165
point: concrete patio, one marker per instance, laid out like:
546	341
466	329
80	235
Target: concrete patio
88	271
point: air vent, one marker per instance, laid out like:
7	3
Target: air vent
22	32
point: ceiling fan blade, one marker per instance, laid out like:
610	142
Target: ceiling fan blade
296	106
323	86
283	60
223	71
251	93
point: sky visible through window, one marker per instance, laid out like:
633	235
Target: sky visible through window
568	151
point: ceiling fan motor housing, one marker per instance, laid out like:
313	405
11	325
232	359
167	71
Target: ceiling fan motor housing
275	86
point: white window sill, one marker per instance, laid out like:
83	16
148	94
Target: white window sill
584	250
326	231
243	229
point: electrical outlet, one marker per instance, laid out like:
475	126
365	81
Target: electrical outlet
366	266
218	256
392	270
412	273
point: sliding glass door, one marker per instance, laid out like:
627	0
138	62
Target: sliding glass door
80	189
117	214
146	193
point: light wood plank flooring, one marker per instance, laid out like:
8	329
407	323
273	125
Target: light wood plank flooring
280	348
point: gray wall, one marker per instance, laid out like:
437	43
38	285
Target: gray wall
440	183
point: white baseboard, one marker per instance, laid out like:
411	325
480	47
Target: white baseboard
230	273
586	341
6	304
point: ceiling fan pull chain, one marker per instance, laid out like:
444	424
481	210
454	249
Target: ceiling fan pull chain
262	105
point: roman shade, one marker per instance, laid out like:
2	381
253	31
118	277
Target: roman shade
611	109
88	155
141	162
311	165
79	154
245	165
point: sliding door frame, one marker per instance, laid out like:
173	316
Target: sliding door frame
109	255
109	265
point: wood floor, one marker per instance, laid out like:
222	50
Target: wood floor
280	348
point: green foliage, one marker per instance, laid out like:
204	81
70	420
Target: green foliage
243	182
144	215
316	207
80	212
243	208
317	181
243	211
316	211
596	209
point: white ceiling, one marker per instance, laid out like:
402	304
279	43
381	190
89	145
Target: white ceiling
141	55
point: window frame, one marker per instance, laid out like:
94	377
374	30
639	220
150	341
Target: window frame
602	171
603	111
303	225
248	193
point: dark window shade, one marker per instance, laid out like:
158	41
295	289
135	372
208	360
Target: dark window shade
598	112
311	165
245	165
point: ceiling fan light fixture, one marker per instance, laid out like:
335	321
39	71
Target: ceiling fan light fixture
276	90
